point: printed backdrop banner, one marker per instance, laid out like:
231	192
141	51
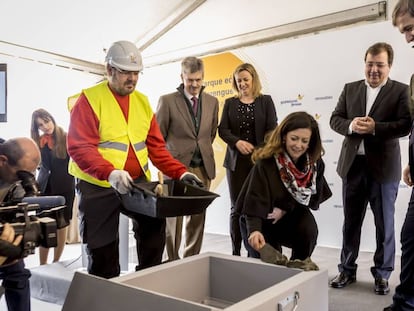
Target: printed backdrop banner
306	73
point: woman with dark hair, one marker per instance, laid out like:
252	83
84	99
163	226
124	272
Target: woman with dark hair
284	185
245	120
53	176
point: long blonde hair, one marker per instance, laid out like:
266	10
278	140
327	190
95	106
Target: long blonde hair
59	135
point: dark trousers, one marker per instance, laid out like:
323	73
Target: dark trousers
99	209
235	180
296	230
150	238
104	261
404	292
359	188
17	286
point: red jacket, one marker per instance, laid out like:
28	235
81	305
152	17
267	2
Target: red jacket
83	139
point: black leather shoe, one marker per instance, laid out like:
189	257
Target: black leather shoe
381	286
342	280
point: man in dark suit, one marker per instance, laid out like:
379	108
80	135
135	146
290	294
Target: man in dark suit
188	120
372	115
403	299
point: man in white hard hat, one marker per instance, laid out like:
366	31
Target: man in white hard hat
112	135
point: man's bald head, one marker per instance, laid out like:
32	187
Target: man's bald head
18	154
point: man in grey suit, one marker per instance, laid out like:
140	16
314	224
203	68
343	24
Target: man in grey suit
188	120
372	115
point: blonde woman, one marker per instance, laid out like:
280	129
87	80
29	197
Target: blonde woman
245	120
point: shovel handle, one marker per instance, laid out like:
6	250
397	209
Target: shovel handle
160	178
159	189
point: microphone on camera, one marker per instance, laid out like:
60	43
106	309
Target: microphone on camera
45	202
49	206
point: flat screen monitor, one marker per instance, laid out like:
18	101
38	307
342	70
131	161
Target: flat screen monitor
3	92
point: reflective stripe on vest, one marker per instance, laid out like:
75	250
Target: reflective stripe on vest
113	145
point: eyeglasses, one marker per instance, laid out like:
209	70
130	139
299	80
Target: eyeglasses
126	72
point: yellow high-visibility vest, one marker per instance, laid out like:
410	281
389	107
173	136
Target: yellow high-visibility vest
116	135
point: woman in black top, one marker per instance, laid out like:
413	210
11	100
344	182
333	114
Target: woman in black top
245	120
285	184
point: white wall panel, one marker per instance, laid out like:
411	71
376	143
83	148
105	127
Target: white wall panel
32	85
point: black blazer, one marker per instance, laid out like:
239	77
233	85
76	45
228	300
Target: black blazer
53	177
411	152
264	189
392	121
229	128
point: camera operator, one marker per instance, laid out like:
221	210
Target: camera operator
17	154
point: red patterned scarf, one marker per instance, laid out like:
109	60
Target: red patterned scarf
301	184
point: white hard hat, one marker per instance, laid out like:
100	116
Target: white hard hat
124	55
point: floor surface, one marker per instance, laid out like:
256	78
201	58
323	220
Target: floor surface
356	297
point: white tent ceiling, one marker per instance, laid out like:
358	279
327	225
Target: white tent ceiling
80	31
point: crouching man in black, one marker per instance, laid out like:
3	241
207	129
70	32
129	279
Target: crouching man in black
18	154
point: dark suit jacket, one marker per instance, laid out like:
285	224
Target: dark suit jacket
411	152
178	129
229	128
392	121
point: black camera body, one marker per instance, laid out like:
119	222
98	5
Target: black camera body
35	217
24	220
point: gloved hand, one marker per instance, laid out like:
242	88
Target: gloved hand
121	181
191	179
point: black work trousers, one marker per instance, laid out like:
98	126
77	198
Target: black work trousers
99	210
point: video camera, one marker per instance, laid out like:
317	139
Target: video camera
32	215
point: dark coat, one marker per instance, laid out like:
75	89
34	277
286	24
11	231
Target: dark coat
229	128
263	190
392	121
53	177
411	153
